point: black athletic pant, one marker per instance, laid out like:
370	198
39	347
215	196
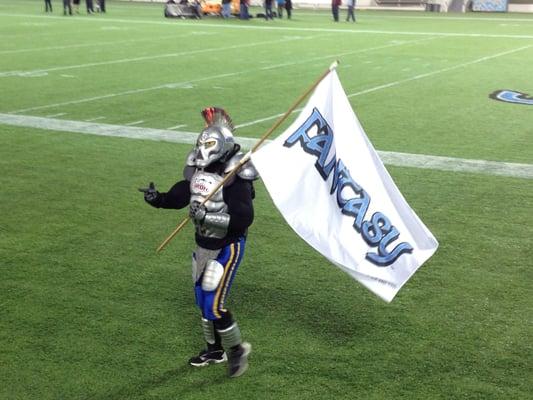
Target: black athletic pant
335	11
89	4
48	5
67	5
289	11
350	14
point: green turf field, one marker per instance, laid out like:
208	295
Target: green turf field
89	311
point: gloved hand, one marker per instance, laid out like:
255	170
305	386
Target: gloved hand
151	195
197	211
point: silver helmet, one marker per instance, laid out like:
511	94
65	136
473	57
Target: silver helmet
216	142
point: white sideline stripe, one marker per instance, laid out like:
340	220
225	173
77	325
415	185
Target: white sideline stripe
4	74
182	23
391	158
55	115
398	82
420	16
236	73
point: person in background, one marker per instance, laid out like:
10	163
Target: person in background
89	5
76	4
281	6
243	11
226	8
288	8
102	6
268	9
351	7
67	6
197	8
47	5
335	4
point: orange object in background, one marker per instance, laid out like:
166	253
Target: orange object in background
235	6
211	7
215	7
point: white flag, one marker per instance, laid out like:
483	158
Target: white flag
331	187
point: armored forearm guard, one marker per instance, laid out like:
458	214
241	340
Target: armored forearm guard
219	221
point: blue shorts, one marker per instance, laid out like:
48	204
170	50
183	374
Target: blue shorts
212	302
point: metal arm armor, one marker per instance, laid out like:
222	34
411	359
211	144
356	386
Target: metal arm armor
247	171
218	221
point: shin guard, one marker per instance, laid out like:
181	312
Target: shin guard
230	336
209	331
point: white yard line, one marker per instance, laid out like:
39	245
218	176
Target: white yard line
177	126
347	53
440	71
93	44
94	119
398	82
55	115
173	85
129	92
357	30
134	123
514	170
43	71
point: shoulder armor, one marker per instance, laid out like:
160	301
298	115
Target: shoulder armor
190	161
247	171
190	165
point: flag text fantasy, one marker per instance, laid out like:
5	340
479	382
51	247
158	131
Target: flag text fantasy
316	138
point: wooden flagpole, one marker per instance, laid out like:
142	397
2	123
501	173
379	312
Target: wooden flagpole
254	148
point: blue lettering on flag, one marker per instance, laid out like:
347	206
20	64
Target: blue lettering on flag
316	137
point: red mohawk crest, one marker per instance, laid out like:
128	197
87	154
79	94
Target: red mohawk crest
217	116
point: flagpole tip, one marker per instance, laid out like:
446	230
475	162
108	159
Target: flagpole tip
334	65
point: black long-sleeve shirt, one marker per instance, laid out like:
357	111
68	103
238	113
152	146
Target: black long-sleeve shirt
238	197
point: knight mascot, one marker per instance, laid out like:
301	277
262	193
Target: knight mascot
221	226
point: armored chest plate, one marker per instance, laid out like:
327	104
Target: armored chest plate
202	184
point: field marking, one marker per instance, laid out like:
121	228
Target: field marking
514	170
94	119
134	123
93	44
127	92
44	71
55	115
398	82
422	16
174	85
358	30
177	126
440	71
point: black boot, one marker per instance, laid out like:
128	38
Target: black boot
238	359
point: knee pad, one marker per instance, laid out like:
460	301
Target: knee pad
212	275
